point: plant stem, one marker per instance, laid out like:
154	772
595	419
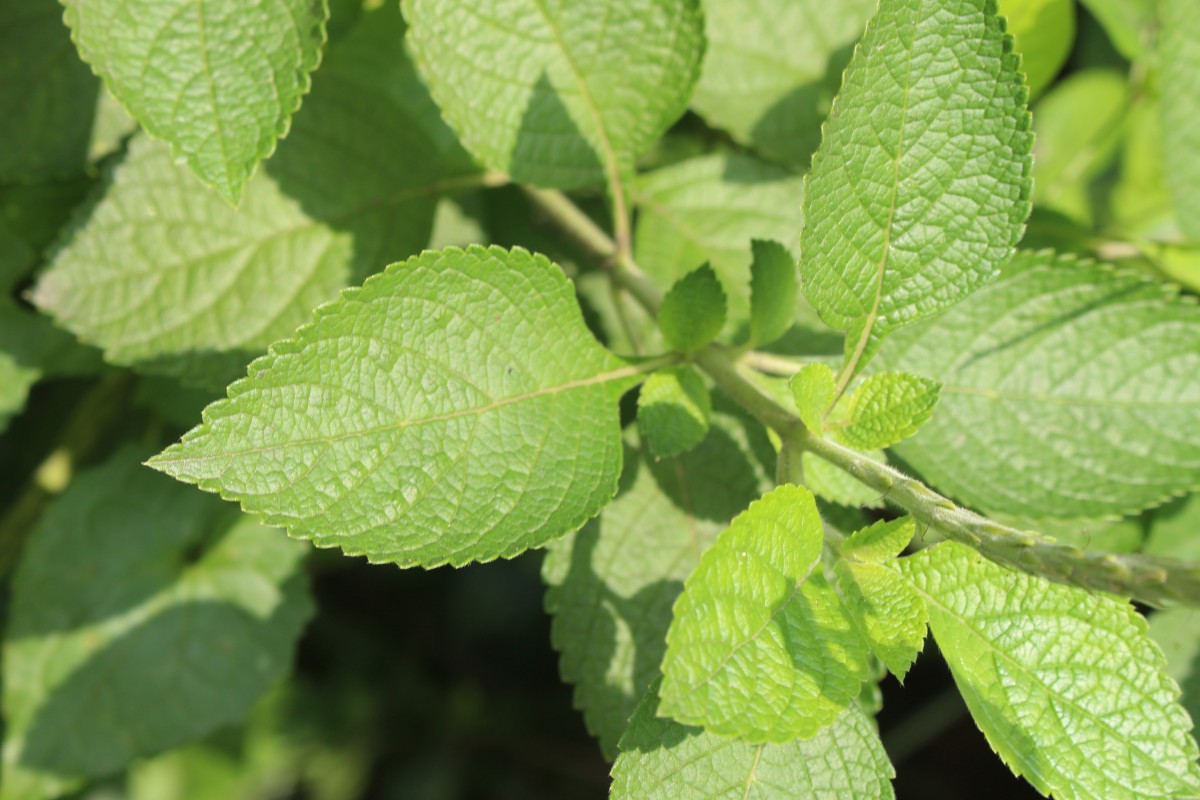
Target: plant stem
1157	581
769	362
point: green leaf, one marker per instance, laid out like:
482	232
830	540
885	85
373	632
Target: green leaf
1078	127
1066	685
880	542
1179	63
773	291
172	280
1177	632
1175	529
1066	389
838	486
219	80
761	646
772	67
709	209
673	411
921	186
663	760
1043	32
1130	24
887	610
1140	203
47	95
143	615
813	392
693	311
886	408
561	95
454	408
611	585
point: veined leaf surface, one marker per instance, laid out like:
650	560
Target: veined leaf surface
454	408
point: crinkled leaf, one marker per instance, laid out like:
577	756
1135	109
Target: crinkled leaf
813	390
887	610
612	584
1043	32
143	615
564	94
761	646
772	67
454	408
693	311
886	408
673	411
1068	390
1065	684
708	209
838	486
172	280
920	188
773	291
880	541
219	80
1179	65
663	760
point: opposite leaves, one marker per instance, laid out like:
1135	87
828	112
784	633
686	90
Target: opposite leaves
1066	685
761	647
564	94
219	80
921	186
455	408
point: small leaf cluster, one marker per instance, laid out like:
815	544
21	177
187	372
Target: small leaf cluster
788	332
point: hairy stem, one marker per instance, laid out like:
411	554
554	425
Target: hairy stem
1156	581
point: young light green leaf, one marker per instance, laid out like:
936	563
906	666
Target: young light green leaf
920	188
880	541
887	610
1130	24
1066	685
172	280
832	483
773	291
673	411
454	408
1179	65
886	408
663	760
708	209
1043	32
761	646
772	68
561	95
1066	387
693	311
611	585
224	88
813	389
47	95
143	615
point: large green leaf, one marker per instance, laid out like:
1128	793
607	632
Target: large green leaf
663	760
920	188
1065	684
143	615
612	584
219	80
772	68
708	209
455	408
170	279
563	94
761	646
1179	62
1069	390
